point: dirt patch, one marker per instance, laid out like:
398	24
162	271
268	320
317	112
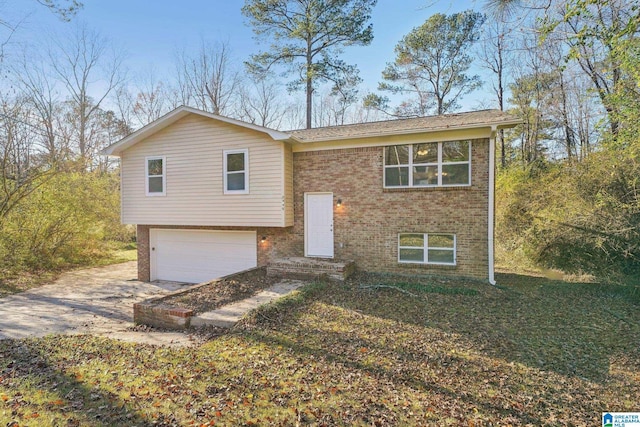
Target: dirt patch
222	292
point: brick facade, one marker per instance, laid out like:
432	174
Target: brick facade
367	224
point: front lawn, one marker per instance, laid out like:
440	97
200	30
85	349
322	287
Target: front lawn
378	351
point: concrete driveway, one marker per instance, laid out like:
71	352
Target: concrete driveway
96	301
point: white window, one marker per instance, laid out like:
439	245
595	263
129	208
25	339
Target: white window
423	248
429	164
155	172
236	171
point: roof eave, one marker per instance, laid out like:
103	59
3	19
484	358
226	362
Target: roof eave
175	115
499	125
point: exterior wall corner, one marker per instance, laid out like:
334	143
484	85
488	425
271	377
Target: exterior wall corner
144	261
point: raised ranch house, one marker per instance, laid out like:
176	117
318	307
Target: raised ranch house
212	195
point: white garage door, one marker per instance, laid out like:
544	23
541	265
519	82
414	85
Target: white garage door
195	256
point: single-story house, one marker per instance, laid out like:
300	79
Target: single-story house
211	195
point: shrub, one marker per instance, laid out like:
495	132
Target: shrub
575	217
64	222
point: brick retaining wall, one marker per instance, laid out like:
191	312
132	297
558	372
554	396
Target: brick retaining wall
161	316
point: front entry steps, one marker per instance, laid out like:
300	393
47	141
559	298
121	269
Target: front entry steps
311	268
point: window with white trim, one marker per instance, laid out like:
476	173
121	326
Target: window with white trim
155	172
425	248
236	171
429	164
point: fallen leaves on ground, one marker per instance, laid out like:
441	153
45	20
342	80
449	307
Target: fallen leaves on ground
225	291
531	352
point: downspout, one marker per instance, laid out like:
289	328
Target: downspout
492	191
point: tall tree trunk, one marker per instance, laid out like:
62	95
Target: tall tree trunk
503	153
568	132
499	72
309	88
309	101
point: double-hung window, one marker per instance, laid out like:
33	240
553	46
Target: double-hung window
424	248
155	172
430	164
236	171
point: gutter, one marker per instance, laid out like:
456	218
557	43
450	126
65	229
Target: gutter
493	126
492	204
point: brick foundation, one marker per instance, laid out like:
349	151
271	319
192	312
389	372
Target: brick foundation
161	316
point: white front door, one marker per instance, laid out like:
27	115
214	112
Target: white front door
318	224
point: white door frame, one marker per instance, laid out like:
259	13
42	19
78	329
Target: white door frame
154	267
328	254
153	241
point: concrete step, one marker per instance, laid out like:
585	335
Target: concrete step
300	267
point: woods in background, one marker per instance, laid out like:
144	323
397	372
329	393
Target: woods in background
567	188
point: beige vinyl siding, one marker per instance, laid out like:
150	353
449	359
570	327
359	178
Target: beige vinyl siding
288	186
193	147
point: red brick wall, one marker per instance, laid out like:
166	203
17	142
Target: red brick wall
367	224
144	264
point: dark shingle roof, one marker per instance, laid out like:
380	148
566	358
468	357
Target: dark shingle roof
416	125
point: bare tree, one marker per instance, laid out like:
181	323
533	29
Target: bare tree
261	103
90	72
592	40
151	102
531	95
494	54
208	80
593	32
22	171
144	101
334	108
40	91
573	101
65	9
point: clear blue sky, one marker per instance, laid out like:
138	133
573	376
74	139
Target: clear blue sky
152	31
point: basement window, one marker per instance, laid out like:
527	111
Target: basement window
425	248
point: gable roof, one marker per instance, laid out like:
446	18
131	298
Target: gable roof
175	115
469	120
473	119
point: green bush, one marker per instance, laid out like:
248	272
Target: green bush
66	221
575	217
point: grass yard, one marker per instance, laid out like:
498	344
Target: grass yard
377	351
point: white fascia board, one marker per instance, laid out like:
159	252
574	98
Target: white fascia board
501	125
174	116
